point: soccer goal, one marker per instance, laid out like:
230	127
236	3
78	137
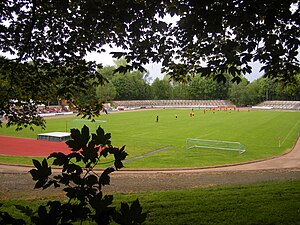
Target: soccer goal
78	123
219	145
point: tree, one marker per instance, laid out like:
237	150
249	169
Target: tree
131	86
142	87
210	37
271	90
108	72
228	35
292	90
179	91
267	89
55	36
106	92
201	88
206	88
124	87
237	93
161	89
252	96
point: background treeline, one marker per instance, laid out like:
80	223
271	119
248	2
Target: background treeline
136	85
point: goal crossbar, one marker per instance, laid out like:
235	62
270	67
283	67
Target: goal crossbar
214	144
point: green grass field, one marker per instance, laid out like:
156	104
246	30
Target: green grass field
260	131
263	203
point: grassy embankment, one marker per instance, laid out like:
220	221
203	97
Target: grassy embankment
264	203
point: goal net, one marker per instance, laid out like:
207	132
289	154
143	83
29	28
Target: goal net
78	123
81	121
213	144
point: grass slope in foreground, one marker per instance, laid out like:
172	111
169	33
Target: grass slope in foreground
265	203
261	131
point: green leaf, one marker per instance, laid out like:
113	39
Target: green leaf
130	214
118	164
220	78
91	180
48	184
40	174
107	200
40	184
117	54
75	134
136	212
75	146
36	163
73	169
85	135
60	158
236	79
44	163
8	219
75	155
42	211
63	179
25	210
80	140
34	173
125	209
70	192
90	154
100	138
104	179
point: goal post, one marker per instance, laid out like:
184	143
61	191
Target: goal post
214	144
78	123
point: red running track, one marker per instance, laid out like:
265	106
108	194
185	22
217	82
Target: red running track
13	146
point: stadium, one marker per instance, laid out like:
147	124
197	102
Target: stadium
149	112
217	133
215	146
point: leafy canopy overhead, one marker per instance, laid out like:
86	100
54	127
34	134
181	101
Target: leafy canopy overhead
48	40
228	35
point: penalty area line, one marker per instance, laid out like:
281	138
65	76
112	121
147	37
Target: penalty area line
290	132
148	153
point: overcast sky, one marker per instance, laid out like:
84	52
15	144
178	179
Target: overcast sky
154	69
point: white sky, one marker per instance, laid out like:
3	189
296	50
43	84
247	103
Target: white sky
154	68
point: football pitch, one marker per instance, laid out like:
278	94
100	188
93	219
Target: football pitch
162	143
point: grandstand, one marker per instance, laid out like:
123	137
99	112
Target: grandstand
283	105
172	103
53	110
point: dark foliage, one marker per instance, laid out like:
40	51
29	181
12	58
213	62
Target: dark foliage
48	41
